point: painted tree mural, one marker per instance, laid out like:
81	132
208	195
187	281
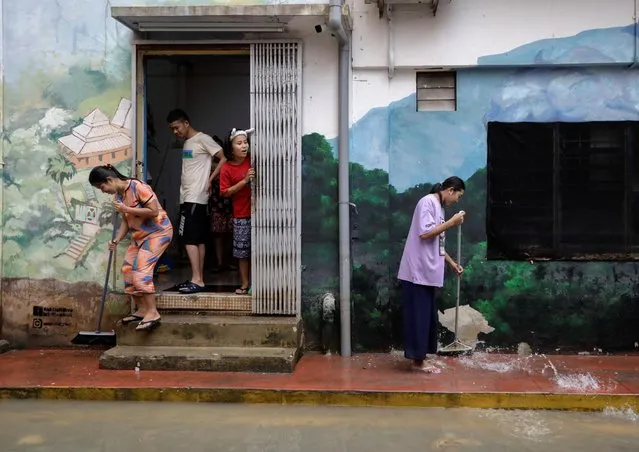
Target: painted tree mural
61	170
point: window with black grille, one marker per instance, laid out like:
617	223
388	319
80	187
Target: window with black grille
564	191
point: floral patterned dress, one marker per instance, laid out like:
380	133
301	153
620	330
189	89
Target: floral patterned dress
221	209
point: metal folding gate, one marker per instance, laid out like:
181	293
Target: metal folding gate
276	101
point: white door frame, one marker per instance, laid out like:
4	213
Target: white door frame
141	48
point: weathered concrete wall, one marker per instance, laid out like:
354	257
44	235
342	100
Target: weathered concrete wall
48	312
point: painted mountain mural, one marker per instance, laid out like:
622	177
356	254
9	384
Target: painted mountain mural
397	153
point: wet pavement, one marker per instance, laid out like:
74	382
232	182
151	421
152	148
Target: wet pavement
479	373
70	426
482	380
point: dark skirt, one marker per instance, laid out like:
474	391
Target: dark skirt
420	321
242	238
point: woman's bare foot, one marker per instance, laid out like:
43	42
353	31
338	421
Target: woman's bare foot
428	366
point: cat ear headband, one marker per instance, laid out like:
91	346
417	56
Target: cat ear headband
237	132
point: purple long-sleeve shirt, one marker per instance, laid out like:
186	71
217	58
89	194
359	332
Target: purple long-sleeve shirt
423	259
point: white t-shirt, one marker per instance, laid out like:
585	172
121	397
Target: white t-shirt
197	155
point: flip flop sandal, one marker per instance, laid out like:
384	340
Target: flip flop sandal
191	288
148	326
130	319
242	291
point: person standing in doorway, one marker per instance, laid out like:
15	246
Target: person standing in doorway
221	210
422	270
235	181
197	178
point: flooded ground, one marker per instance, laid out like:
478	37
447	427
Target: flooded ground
66	426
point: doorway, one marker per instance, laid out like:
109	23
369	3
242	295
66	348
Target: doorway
257	85
214	90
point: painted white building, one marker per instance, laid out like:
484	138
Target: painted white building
535	104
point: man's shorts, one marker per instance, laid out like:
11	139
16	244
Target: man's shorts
194	223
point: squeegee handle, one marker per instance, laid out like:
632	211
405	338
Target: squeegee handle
459	236
105	288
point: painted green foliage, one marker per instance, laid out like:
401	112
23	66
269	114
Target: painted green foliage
565	305
42	188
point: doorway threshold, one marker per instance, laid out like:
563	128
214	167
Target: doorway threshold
203	301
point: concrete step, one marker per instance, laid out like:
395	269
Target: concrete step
214	331
207	359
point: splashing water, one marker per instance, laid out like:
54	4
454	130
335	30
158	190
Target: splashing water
579	382
583	382
529	425
550	366
627	413
485	361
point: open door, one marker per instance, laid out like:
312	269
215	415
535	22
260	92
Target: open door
276	79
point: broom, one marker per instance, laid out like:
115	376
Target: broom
456	347
99	337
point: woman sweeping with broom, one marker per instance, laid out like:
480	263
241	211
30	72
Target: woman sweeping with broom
151	235
422	270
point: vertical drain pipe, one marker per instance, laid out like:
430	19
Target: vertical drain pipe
634	43
336	25
2	140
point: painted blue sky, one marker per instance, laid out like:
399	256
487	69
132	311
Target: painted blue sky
599	46
49	35
417	147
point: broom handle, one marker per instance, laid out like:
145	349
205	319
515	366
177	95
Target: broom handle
108	272
459	235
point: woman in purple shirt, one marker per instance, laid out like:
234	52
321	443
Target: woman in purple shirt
422	269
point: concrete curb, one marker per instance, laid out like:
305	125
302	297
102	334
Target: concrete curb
522	401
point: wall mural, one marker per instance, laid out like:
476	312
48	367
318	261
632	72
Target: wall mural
66	107
552	306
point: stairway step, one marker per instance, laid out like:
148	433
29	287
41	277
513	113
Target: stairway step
75	248
204	301
215	331
207	359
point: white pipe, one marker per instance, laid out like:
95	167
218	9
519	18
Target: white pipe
2	139
391	43
336	26
335	23
634	43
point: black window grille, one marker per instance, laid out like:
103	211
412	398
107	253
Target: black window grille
564	191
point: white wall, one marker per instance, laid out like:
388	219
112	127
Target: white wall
464	30
319	87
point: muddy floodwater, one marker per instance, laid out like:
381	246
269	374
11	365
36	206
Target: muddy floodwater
67	426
